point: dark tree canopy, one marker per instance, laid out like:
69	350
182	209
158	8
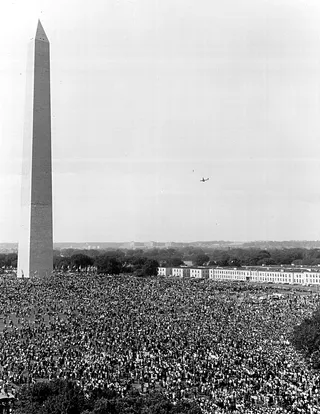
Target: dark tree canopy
133	260
81	261
150	268
54	397
306	338
200	259
174	261
61	263
108	264
8	260
65	397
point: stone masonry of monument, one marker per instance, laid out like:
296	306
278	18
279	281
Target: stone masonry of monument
35	253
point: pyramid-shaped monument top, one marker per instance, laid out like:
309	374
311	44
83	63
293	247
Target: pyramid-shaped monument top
41	34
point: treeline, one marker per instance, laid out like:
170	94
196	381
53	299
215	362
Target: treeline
252	257
235	257
59	396
106	262
272	257
8	261
145	262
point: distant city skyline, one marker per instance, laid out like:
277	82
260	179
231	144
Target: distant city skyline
148	97
154	243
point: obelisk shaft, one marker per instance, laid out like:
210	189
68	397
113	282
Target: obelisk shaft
35	256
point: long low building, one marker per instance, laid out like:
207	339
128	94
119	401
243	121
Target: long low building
259	274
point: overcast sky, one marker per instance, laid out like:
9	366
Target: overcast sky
150	96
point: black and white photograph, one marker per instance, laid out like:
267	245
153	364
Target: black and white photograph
159	207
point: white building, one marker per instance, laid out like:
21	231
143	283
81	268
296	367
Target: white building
164	271
181	271
229	274
258	274
199	272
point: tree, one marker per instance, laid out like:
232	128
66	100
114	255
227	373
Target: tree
201	259
150	268
53	397
134	264
65	397
306	338
93	253
68	252
174	262
153	403
186	407
170	252
2	260
104	406
61	263
220	257
100	396
234	262
118	254
262	256
81	261
108	265
11	260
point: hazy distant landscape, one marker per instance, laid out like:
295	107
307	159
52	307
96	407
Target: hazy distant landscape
215	244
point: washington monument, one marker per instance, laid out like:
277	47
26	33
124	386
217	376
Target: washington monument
35	254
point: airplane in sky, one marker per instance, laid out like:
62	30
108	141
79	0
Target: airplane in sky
203	180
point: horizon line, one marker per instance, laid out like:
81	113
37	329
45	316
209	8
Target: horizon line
171	241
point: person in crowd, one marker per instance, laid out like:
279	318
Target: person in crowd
213	342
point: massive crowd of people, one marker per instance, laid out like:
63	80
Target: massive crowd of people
222	344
